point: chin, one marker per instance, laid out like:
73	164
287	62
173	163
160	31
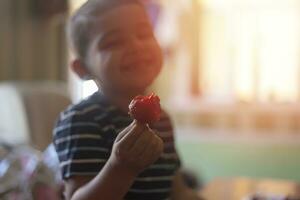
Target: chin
144	83
138	87
139	82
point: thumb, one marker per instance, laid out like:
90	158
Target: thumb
135	125
124	131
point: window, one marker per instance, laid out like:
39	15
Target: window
74	4
230	51
250	50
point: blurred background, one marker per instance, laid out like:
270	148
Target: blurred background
231	80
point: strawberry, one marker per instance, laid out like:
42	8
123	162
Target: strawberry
145	109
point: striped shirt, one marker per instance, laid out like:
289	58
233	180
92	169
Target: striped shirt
83	138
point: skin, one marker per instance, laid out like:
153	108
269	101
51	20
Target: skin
134	149
123	58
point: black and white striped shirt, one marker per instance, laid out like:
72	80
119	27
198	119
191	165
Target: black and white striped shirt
83	138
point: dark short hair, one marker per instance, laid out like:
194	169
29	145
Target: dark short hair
80	25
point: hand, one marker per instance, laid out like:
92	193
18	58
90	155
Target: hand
135	148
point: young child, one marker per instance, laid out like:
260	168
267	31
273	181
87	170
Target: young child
103	153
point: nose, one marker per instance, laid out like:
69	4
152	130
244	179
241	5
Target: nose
136	45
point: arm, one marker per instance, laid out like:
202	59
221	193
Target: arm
135	148
110	183
180	191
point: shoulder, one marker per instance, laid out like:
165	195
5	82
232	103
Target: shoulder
90	110
80	139
87	116
90	106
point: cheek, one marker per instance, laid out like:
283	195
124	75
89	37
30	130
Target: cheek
159	55
108	71
156	53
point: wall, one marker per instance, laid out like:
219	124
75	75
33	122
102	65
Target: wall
32	47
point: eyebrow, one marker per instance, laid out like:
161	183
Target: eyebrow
141	25
110	33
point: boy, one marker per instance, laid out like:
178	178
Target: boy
102	153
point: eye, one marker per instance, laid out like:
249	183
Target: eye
112	43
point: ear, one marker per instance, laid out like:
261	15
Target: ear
80	69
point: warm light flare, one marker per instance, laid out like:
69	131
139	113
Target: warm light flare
279	56
251	53
74	4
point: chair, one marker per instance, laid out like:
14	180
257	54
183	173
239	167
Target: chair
29	111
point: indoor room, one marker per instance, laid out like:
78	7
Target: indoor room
228	77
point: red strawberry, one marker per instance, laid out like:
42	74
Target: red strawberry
145	109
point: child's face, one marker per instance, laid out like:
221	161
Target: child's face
124	55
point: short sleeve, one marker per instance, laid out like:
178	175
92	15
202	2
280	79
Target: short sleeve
80	144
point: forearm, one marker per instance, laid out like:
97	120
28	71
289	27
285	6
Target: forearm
110	184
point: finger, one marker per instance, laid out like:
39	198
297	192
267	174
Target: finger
124	131
153	152
132	135
147	152
141	144
155	132
157	149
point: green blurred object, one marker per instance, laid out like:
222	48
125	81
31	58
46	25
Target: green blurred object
212	159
